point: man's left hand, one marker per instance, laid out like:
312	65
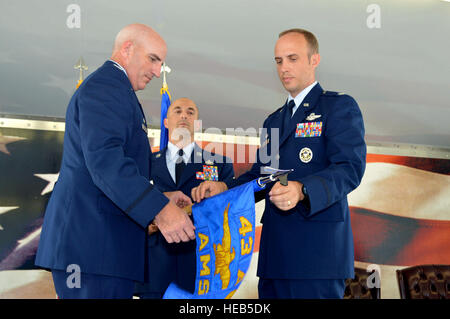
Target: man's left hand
179	198
207	189
286	197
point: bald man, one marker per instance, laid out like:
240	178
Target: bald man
94	236
175	168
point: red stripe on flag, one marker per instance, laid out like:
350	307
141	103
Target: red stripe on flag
393	240
436	165
257	238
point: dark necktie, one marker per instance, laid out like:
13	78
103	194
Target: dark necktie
179	166
288	115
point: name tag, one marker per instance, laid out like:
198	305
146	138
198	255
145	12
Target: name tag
309	129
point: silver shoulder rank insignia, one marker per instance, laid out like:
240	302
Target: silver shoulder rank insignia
313	116
305	155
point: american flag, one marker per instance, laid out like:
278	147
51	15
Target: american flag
400	213
400	217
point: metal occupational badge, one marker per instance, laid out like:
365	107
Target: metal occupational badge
210	173
313	116
309	129
305	155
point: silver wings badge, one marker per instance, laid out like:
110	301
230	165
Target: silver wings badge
312	117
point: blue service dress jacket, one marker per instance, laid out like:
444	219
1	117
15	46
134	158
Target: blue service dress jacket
177	262
103	201
324	143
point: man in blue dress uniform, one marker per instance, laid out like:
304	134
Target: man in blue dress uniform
306	248
94	236
182	166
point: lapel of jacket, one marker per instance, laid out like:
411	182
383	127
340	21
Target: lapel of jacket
307	105
140	107
112	65
161	169
191	168
277	119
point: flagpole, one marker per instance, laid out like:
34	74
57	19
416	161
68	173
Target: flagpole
165	103
164	75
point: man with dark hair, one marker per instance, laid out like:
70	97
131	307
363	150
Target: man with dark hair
306	248
313	44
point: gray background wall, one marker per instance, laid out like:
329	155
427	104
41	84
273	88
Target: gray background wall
221	55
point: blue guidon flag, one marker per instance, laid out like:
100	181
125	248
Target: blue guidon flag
225	235
165	103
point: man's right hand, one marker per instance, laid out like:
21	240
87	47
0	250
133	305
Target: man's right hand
174	224
207	189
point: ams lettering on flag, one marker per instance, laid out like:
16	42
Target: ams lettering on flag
225	232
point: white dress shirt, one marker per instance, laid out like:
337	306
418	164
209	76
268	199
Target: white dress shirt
172	156
117	65
300	97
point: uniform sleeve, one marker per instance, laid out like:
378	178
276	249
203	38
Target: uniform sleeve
346	154
106	124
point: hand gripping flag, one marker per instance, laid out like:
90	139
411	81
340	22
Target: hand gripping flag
225	235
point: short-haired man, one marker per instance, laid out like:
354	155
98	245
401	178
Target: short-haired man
175	168
306	248
95	224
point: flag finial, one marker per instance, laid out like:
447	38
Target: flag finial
165	88
82	67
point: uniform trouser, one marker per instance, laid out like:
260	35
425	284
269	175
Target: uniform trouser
301	288
92	286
